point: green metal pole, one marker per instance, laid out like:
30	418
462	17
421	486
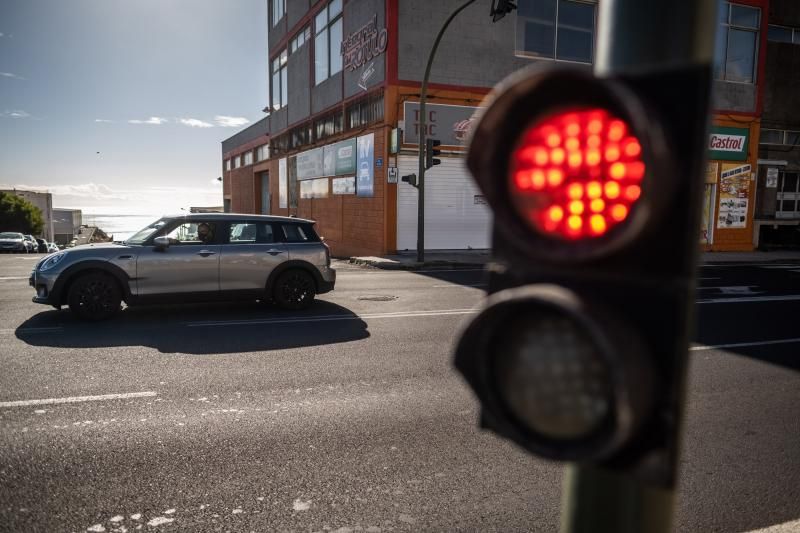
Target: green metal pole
422	134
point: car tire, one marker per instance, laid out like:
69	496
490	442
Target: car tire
294	289
94	296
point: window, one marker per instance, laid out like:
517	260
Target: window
365	111
280	90
192	233
788	195
783	137
783	34
248	158
328	126
251	233
278	10
328	42
302	38
556	29
262	152
299	233
227	164
737	43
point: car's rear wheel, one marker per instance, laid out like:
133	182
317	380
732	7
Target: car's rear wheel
94	296
294	289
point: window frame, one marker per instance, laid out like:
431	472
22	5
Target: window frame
794	34
262	153
278	8
757	41
326	29
295	43
228	164
761	137
535	55
278	66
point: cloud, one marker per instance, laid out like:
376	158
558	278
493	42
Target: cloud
91	191
230	122
11	75
195	123
103	120
15	113
152	120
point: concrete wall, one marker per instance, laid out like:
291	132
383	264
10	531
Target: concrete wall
327	93
295	9
356	15
276	32
299	83
474	52
730	96
66	222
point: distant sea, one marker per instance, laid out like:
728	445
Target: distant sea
120	226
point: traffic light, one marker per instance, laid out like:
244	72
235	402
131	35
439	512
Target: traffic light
595	183
411	179
431	151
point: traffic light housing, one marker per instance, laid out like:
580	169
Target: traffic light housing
580	352
431	151
411	179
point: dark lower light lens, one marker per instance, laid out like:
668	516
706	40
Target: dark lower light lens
552	376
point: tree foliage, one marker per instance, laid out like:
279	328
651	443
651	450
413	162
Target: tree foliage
18	214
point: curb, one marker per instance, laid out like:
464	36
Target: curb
433	265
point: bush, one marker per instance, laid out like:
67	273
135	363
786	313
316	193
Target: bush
18	214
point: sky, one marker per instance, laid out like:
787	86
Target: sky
121	105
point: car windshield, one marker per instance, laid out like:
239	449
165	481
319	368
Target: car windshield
8	235
143	234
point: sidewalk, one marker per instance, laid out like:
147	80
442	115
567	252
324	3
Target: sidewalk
440	259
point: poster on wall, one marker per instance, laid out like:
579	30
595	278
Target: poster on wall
734	190
317	188
283	189
310	164
344	185
365	177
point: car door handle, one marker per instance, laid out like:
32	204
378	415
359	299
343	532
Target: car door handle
206	253
275	251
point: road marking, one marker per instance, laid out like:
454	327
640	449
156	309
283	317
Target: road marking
330	318
10	278
458	285
748	299
76	399
742	344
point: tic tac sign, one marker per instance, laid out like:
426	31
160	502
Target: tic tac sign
364	44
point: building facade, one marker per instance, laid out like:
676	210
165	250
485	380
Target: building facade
42	200
66	225
777	221
343	116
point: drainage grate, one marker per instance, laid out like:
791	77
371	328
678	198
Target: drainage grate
377	298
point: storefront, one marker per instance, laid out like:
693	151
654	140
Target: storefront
729	194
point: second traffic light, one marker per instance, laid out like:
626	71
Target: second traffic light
431	151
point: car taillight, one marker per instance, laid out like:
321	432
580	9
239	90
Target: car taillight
576	174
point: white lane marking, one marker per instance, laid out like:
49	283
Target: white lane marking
704	347
76	399
747	299
329	318
9	278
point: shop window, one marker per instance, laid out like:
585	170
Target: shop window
280	89
556	29
737	43
328	42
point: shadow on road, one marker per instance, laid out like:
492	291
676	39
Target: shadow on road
199	328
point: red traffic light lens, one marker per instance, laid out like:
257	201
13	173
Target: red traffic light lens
577	174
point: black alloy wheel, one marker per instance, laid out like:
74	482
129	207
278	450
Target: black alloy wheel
294	289
94	296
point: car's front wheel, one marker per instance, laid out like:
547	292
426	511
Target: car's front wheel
94	296
294	289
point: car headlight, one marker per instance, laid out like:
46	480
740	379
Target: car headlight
52	261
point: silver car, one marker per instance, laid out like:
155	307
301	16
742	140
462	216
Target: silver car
11	241
197	257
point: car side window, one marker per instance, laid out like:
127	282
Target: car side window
251	233
294	233
195	232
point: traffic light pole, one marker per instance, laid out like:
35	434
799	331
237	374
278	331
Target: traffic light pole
637	38
423	129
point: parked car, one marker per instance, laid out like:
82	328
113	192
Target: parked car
31	244
195	257
13	242
41	246
52	247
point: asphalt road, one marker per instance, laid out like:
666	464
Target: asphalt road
349	417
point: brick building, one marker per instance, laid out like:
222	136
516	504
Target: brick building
342	120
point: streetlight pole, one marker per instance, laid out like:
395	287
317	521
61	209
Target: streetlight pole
423	129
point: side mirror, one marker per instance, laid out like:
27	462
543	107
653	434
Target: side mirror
161	243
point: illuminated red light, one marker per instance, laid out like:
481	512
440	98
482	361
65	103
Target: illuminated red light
578	174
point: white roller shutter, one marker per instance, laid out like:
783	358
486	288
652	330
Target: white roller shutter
453	219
